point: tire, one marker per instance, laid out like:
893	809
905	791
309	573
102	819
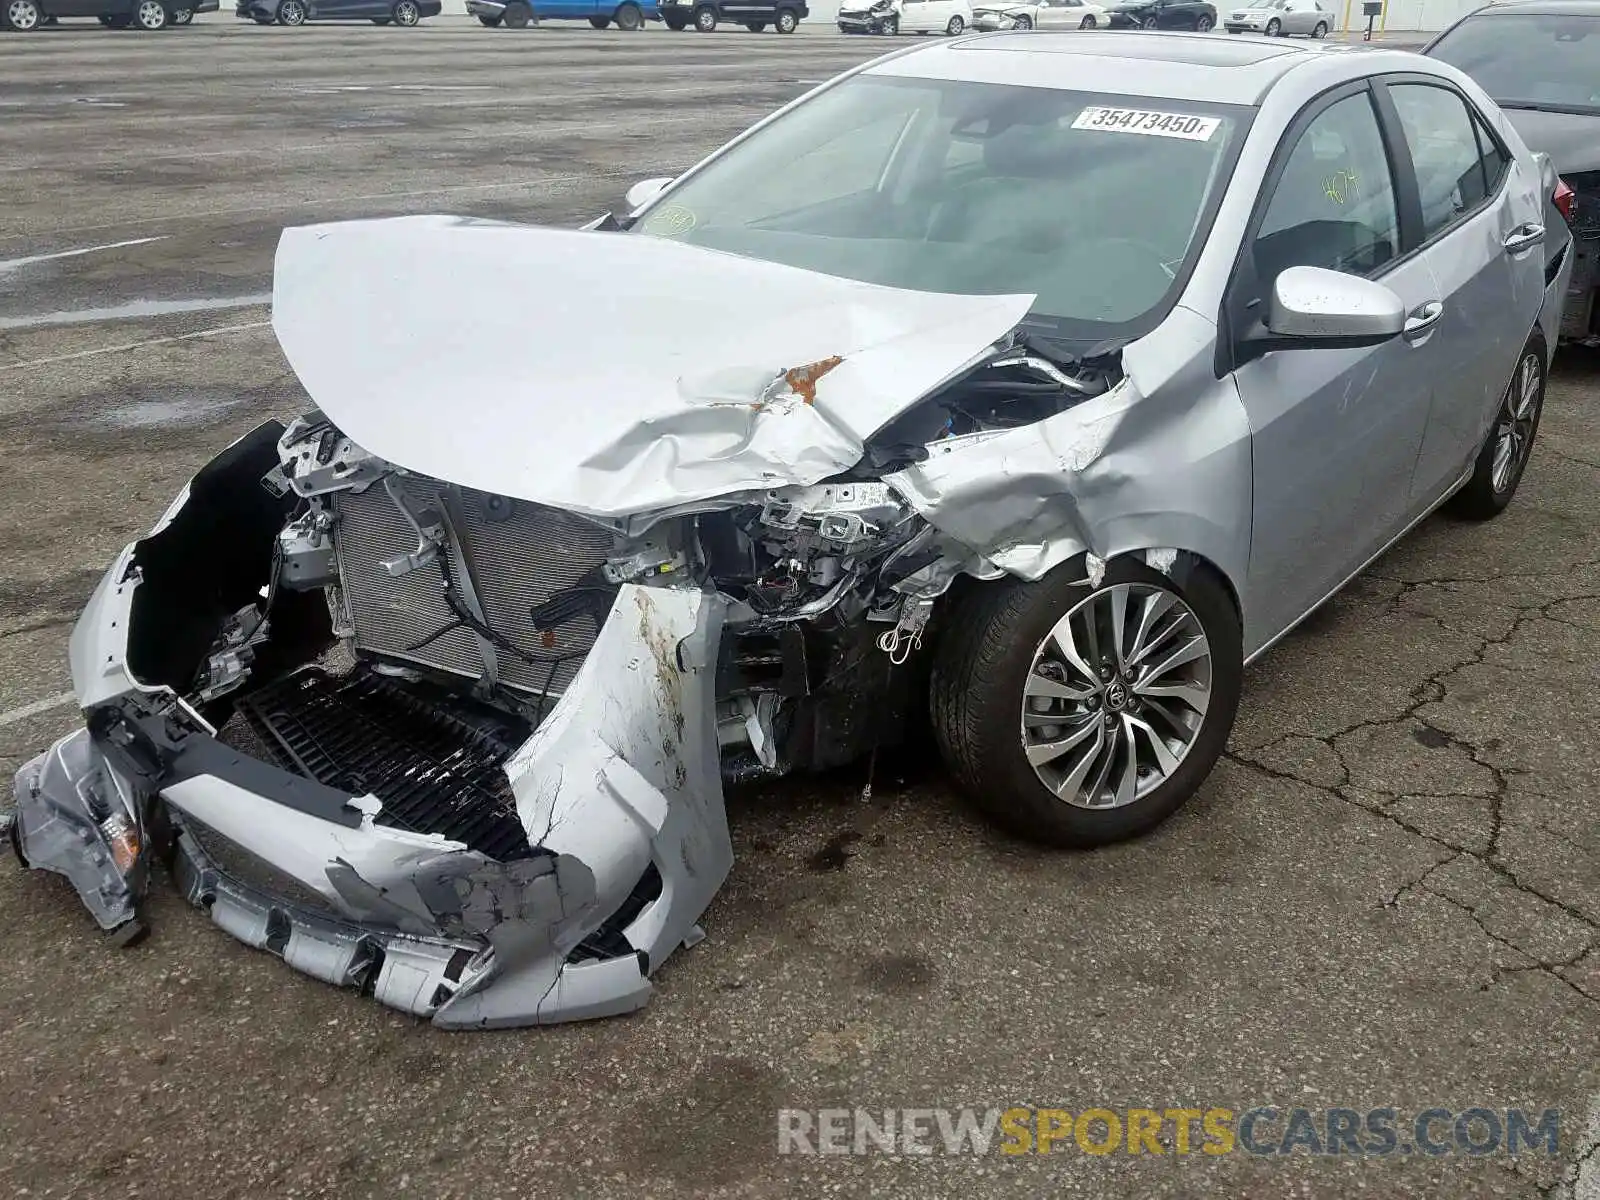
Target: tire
1203	25
1022	23
891	27
489	22
150	15
705	19
787	21
291	12
1148	23
1492	486
183	16
1086	23
955	27
406	13
23	15
1274	28
599	22
1321	31
676	24
628	18
1000	638
517	15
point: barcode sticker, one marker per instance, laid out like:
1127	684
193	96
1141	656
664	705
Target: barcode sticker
1154	124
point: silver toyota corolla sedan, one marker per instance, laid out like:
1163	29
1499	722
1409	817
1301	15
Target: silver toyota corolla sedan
1027	386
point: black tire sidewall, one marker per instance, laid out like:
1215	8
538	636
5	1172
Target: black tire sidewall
786	14
1008	787
705	20
1478	500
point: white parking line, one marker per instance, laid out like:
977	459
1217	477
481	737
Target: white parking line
160	341
37	708
11	264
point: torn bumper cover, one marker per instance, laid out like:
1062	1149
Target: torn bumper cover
617	788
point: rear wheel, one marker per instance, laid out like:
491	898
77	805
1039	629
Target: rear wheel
1321	31
1505	452
517	15
955	27
150	15
1274	27
628	17
489	22
406	13
705	19
1082	714
1086	23
787	21
1022	23
291	12
23	15
1203	25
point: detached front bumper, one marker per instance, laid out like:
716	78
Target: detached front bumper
619	792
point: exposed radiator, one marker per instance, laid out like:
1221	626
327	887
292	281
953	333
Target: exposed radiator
522	554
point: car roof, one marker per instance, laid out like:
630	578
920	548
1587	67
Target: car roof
1538	8
1180	66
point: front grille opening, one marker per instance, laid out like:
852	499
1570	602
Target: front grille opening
607	941
432	758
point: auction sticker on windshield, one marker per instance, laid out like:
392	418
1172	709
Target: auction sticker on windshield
1156	124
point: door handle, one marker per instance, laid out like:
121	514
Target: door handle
1524	237
1422	319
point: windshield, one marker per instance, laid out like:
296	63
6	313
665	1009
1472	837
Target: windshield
1529	60
1095	203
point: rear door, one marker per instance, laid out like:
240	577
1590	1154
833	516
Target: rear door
1488	260
914	16
1335	433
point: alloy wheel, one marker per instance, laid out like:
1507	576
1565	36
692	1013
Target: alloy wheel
955	27
406	13
22	15
291	12
1203	25
151	14
1519	412
1022	23
1116	696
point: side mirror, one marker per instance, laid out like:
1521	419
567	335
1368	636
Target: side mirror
1312	307
644	191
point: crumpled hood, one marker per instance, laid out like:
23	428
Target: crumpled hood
605	373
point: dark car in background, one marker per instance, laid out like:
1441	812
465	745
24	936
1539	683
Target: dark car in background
1164	14
1540	60
298	12
755	15
25	16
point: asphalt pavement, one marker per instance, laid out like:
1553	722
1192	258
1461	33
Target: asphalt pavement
1388	894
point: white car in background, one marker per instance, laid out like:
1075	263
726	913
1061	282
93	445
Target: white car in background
933	16
1280	18
1040	14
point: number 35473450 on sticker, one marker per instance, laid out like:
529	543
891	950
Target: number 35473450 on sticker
1154	124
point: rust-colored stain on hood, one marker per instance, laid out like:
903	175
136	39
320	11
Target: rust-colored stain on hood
802	381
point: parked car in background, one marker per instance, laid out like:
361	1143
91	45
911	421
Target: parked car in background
298	12
1281	18
1541	63
628	14
755	15
1040	14
1164	14
935	16
25	16
870	16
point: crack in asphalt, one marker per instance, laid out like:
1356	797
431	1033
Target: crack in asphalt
1431	690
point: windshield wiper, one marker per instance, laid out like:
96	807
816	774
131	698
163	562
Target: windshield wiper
1575	110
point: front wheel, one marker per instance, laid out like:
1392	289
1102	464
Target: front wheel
891	27
705	19
291	12
787	22
1505	452
23	15
1321	31
517	15
1084	713
1022	23
1086	23
406	13
1148	23
150	15
1274	27
628	18
955	27
1203	25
